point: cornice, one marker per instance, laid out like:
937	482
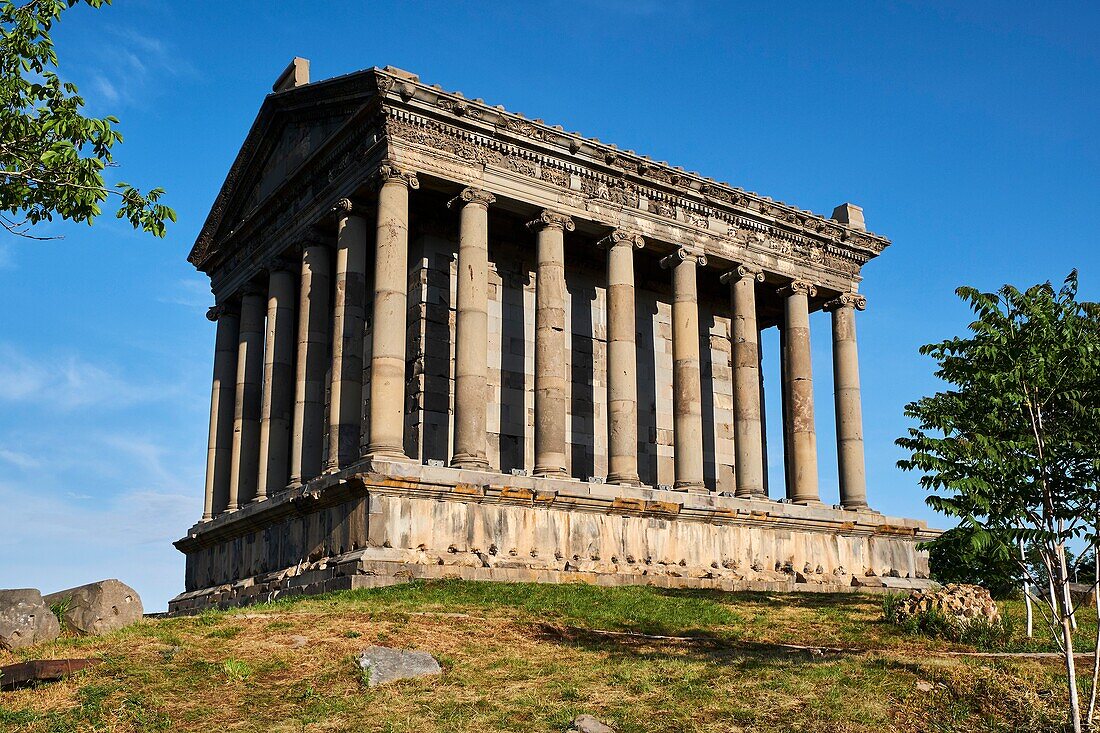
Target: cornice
621	167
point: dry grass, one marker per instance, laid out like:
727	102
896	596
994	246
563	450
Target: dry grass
525	658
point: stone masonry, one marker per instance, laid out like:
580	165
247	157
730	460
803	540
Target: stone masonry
451	340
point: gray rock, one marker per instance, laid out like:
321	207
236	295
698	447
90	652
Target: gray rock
25	619
589	724
383	665
98	608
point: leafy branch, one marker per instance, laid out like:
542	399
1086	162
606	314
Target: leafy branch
52	156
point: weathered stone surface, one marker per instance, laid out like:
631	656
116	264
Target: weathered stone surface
25	619
382	665
960	602
100	607
589	724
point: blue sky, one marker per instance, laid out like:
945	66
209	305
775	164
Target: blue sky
967	131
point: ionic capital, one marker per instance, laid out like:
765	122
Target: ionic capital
846	300
683	254
252	288
221	309
474	196
283	264
741	272
621	238
551	220
389	171
798	287
342	208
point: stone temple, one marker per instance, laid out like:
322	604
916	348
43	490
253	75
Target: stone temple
456	342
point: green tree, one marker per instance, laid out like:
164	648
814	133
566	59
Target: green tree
52	156
1011	448
961	555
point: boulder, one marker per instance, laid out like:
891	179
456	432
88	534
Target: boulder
25	619
98	608
381	665
589	724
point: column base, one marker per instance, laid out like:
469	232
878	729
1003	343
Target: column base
472	462
807	502
624	479
551	472
692	487
385	453
258	499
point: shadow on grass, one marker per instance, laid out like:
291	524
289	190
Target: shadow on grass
748	654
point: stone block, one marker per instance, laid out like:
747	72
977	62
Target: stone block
381	665
25	619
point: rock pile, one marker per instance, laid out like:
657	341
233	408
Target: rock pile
959	602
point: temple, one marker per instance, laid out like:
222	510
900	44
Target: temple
455	342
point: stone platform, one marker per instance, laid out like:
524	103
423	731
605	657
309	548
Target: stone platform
379	523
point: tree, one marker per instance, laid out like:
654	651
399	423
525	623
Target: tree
958	556
1012	448
52	156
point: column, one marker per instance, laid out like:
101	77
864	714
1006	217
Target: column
799	388
246	405
551	379
763	423
747	408
346	394
472	330
391	291
686	381
307	445
849	410
277	405
622	359
219	453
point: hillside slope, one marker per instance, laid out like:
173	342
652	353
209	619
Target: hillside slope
530	658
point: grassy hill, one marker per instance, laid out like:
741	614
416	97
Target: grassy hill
531	657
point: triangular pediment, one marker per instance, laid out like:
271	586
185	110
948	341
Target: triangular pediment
290	128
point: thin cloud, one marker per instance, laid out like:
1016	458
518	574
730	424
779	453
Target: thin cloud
190	292
69	382
19	459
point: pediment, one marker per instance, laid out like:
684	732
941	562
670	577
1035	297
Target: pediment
290	128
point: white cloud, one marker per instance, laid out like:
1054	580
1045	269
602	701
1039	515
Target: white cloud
193	292
106	89
68	382
7	256
18	459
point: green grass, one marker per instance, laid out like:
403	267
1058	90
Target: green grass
521	657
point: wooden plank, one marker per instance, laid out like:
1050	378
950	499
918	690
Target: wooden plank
24	674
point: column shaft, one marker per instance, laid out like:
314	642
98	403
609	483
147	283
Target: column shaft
849	411
686	377
314	317
622	360
277	405
219	454
747	413
391	289
551	378
798	374
472	331
346	395
763	423
246	407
